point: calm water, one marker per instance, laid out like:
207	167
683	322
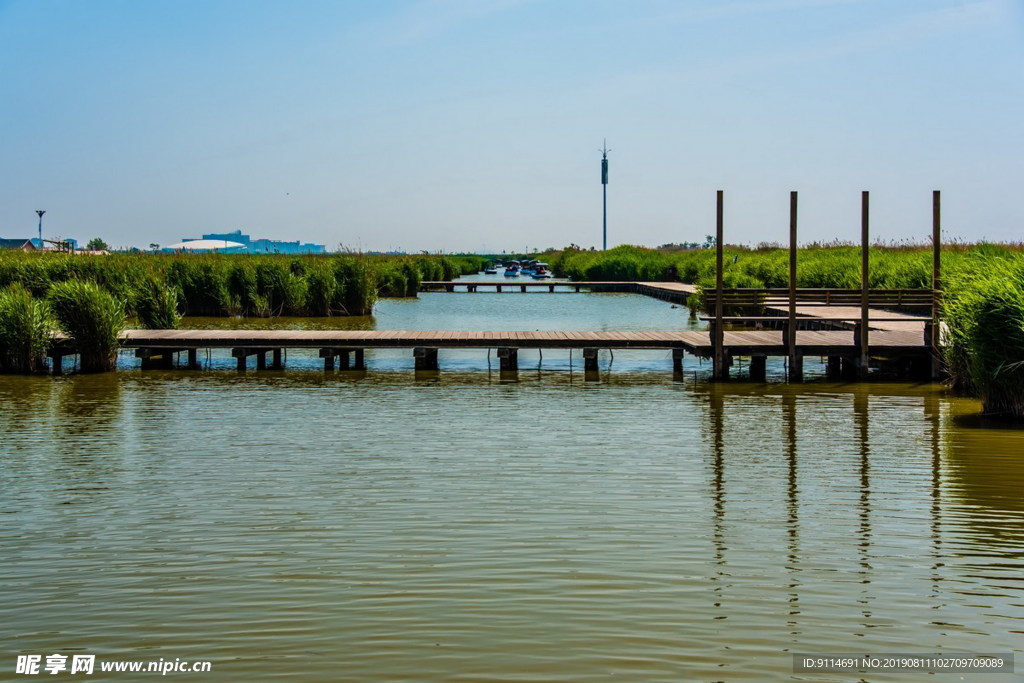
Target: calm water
380	527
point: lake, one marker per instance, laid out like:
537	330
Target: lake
380	526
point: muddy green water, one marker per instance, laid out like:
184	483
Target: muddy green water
388	528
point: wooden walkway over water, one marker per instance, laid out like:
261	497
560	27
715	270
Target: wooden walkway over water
346	349
675	292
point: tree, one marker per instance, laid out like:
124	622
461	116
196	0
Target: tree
154	246
96	244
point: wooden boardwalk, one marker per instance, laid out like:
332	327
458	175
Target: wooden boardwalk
156	348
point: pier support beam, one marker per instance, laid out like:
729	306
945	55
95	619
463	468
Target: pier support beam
58	363
193	360
833	370
758	368
276	363
677	361
345	358
590	371
796	365
425	357
508	359
162	359
243	353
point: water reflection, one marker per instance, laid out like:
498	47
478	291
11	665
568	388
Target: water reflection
412	529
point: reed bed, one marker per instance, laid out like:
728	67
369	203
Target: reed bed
828	266
26	331
159	288
983	309
93	318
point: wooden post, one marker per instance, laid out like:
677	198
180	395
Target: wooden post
677	361
261	359
590	370
508	358
719	370
58	364
796	366
276	364
193	359
360	360
426	358
758	368
328	361
862	371
936	337
241	361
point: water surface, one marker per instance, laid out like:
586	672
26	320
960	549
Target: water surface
384	527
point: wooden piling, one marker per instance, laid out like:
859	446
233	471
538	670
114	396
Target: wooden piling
508	358
935	330
677	361
719	369
796	365
758	368
862	369
425	358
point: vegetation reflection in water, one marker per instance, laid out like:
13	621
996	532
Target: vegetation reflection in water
388	528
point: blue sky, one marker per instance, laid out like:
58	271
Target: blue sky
475	124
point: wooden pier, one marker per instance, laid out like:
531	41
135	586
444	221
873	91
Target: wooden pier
345	350
675	292
853	329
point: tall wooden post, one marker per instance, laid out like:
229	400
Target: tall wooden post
796	365
936	282
720	369
862	369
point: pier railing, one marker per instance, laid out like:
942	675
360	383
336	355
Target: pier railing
815	296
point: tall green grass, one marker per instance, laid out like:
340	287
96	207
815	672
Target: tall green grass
26	331
258	285
93	318
984	347
157	305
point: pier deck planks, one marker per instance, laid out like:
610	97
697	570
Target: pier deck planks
738	342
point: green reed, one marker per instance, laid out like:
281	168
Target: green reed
983	308
26	331
93	318
258	285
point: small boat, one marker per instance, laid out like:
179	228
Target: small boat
512	271
490	271
542	275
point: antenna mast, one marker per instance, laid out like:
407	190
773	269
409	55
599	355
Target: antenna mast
604	194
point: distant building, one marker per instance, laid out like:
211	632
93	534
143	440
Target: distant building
206	246
265	246
18	244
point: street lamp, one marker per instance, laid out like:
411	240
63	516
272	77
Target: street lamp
40	214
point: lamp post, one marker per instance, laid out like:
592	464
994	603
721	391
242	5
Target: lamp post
604	196
40	213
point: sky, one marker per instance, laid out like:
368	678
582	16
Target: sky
475	125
